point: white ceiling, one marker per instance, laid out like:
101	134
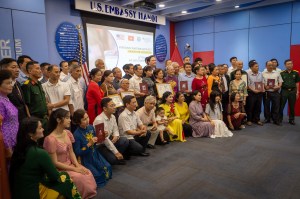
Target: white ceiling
199	8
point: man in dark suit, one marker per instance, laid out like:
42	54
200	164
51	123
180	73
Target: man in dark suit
129	72
225	80
16	97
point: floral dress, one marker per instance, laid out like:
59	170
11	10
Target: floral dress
90	157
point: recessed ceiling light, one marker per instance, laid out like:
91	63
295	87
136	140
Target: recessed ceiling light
236	6
218	0
183	12
161	5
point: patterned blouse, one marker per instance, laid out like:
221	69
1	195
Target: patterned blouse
10	123
240	88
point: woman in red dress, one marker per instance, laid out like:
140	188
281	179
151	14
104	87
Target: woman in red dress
235	113
94	95
200	83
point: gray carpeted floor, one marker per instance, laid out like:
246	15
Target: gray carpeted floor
257	162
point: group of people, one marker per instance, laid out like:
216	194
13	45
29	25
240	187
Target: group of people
48	141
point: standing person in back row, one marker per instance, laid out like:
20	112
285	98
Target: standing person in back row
22	62
289	90
272	83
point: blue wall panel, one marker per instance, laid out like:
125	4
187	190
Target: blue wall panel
296	12
270	42
184	28
272	15
6	37
229	44
182	41
30	28
203	25
295	34
204	42
232	21
28	5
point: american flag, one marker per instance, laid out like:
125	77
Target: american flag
80	56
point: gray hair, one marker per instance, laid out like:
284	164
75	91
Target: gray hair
149	98
73	67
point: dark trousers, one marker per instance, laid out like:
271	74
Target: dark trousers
271	99
225	102
138	144
121	145
187	129
290	96
254	101
166	138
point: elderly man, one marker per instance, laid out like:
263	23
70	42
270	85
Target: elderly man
147	116
131	127
171	78
239	66
118	76
99	63
134	84
114	146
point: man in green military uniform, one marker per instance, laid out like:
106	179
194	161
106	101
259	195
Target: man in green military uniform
289	90
34	95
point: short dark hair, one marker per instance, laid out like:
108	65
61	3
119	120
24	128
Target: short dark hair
135	67
158	110
165	96
71	61
21	59
198	59
186	64
105	101
149	58
60	63
211	67
252	63
4	75
287	60
114	70
77	116
232	96
156	71
231	58
237	70
42	65
194	93
93	72
273	59
50	68
30	64
5	62
177	96
147	68
127	99
127	66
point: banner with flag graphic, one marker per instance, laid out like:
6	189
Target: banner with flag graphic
80	56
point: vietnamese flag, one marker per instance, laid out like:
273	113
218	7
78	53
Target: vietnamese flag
176	57
130	38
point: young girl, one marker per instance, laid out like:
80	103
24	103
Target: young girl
214	112
59	146
85	148
162	122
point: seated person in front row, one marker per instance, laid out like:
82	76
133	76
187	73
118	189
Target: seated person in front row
85	148
162	122
114	146
30	165
235	112
131	126
59	146
147	116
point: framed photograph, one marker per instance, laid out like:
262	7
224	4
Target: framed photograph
144	88
100	132
183	86
117	100
162	88
125	93
259	86
271	83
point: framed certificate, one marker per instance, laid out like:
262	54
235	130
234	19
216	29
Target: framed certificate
259	86
125	93
100	132
144	88
117	100
271	83
162	88
183	86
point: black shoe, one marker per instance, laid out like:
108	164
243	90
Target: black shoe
278	123
292	122
126	157
267	121
121	162
144	154
150	146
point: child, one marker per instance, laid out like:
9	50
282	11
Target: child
162	122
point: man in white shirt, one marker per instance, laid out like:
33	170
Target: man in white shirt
76	100
131	127
187	76
57	92
272	82
233	61
64	74
134	84
114	146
